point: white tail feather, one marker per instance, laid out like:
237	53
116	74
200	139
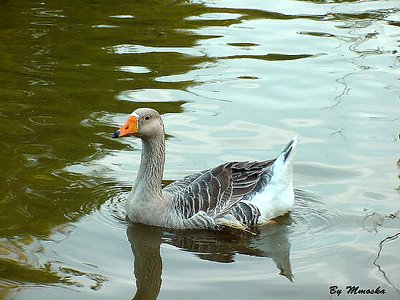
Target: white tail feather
277	198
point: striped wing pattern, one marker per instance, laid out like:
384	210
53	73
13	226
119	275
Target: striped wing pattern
219	196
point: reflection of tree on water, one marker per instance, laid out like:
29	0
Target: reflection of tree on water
371	223
271	241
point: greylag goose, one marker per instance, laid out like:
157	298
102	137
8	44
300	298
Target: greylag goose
232	195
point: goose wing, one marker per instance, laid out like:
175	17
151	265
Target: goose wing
218	193
179	185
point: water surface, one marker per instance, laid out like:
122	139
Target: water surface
234	80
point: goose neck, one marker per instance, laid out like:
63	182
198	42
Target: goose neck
151	165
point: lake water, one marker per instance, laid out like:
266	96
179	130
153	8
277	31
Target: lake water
234	80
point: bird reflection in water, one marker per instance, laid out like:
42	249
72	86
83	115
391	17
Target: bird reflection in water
270	241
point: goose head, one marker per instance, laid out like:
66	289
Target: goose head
143	123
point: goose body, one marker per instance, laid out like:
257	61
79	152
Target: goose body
235	194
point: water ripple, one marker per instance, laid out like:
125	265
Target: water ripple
311	216
140	49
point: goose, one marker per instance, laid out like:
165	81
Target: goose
238	195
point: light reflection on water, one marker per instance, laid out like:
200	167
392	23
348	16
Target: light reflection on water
234	80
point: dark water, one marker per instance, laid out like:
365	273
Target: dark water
234	80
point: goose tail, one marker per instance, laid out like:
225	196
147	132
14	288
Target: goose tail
288	152
282	168
277	197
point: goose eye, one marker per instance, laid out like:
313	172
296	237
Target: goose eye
147	118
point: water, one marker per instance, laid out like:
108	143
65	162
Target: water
234	80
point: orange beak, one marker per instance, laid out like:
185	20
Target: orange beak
130	128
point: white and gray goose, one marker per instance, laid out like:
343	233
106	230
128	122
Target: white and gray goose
235	194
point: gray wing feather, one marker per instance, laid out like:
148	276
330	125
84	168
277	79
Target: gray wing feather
179	185
221	191
246	213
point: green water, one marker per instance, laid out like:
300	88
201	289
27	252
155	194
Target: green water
234	80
